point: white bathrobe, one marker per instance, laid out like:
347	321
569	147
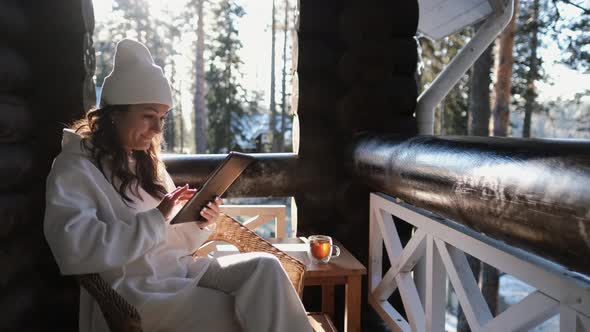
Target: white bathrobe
90	230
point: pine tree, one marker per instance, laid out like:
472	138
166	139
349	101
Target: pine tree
534	19
286	29
272	122
451	114
479	120
573	35
199	98
226	96
479	95
503	73
532	75
518	77
170	122
132	19
155	32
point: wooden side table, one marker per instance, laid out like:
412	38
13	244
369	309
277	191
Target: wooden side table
343	270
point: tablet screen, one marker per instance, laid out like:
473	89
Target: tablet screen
216	184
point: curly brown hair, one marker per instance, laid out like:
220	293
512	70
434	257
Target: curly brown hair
98	129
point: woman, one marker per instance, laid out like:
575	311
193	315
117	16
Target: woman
109	202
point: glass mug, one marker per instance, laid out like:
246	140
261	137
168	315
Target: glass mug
320	249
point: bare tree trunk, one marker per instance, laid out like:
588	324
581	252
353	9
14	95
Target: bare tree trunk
479	96
272	121
228	76
170	130
530	95
169	133
490	279
199	99
503	73
478	125
181	133
284	81
443	107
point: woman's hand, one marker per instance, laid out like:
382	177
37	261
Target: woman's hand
210	212
174	198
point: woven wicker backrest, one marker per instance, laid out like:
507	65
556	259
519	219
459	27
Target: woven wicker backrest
118	313
229	230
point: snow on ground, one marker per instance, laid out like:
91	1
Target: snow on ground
512	291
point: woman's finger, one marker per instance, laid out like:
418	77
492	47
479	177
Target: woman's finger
191	191
213	207
187	195
170	194
179	193
203	224
208	214
173	192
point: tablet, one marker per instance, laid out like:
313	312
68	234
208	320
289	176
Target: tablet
216	184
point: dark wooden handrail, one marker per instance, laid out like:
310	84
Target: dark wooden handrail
531	193
272	174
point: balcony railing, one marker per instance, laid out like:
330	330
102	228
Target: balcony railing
261	215
443	244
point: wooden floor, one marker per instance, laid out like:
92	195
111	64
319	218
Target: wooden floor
320	322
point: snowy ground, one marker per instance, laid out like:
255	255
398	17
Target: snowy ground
512	291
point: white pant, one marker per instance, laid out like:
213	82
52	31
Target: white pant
264	297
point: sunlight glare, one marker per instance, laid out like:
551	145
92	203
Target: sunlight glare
157	7
102	9
254	30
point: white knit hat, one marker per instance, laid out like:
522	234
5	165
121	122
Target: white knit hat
135	78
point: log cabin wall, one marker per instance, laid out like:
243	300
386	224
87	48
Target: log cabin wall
45	81
356	67
355	73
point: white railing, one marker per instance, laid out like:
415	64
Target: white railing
261	215
444	244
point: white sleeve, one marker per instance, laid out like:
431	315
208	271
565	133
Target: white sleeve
189	235
80	241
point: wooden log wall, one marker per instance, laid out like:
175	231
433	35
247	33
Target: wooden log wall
356	64
45	81
355	72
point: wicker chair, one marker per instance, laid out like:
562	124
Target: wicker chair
123	317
